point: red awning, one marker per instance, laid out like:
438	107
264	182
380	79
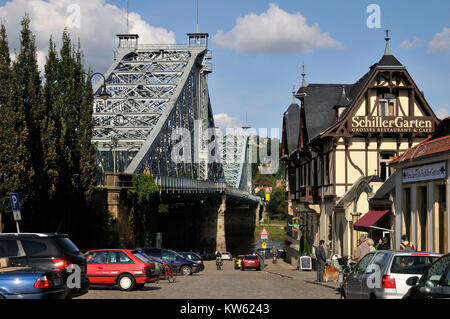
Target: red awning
370	218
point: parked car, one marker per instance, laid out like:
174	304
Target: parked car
265	253
250	262
159	266
26	283
194	257
238	261
383	274
180	264
226	256
123	267
46	252
434	283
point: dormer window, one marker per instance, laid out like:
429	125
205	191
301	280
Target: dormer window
388	105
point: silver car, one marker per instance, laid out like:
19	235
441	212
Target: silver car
383	274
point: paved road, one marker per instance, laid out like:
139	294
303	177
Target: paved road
224	284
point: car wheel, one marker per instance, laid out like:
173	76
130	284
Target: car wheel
126	282
258	269
186	270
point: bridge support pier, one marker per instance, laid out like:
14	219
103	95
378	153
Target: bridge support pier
220	231
257	209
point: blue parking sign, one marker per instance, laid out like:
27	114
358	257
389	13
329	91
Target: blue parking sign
14	197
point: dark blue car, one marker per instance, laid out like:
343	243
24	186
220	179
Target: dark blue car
31	284
180	264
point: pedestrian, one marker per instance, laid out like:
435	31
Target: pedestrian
370	243
321	260
384	244
405	244
362	249
275	254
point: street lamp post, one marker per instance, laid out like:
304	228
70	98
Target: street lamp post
103	94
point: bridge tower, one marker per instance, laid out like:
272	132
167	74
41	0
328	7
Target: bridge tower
152	91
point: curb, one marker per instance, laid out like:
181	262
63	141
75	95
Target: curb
282	275
322	284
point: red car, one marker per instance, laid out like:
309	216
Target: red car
123	267
250	262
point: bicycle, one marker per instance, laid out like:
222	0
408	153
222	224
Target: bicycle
169	274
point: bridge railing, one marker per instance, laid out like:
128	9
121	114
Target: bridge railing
186	185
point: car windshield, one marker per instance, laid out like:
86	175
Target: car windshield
411	264
142	257
251	258
435	272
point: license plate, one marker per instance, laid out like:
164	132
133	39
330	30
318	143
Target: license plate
57	282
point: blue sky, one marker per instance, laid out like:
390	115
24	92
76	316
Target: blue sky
256	82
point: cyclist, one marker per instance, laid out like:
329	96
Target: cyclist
218	260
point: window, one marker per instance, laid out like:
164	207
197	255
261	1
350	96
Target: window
33	248
98	257
385	170
66	244
411	264
435	272
8	248
119	257
363	263
153	253
251	258
167	254
327	169
388	105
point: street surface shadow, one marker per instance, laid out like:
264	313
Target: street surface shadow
146	288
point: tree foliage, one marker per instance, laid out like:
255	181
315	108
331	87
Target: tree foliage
46	154
144	200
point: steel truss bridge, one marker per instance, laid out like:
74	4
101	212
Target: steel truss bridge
153	92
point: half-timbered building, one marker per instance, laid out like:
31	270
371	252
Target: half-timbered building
336	144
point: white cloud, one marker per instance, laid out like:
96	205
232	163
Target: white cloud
224	121
440	41
274	31
442	113
414	44
98	25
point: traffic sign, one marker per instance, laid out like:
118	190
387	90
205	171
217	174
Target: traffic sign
14	197
264	232
17	216
264	245
264	237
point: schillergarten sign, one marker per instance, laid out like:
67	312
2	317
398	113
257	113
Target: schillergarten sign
392	124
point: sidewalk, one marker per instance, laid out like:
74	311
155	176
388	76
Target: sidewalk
286	270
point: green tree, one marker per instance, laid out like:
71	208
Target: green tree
276	208
144	201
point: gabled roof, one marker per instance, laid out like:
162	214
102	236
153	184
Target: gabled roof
291	125
318	104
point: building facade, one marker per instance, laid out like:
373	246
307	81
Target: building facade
337	144
422	192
